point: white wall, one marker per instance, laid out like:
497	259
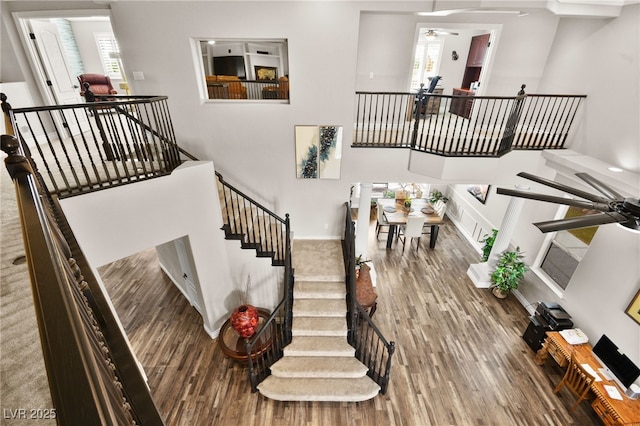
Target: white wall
599	58
118	222
386	42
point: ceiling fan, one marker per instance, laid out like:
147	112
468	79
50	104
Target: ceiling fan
436	32
610	208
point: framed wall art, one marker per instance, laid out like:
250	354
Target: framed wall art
318	152
479	192
306	138
266	73
633	310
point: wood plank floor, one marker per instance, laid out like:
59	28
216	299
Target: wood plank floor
460	357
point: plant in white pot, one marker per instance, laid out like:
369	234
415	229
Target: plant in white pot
509	271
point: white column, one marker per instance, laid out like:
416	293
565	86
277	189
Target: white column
480	272
362	226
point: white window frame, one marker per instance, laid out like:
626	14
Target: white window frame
109	63
421	74
544	248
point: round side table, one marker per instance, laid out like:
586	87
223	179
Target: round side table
232	345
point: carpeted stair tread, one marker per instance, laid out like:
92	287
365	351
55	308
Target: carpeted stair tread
319	326
319	346
309	265
318	367
319	307
328	389
320	290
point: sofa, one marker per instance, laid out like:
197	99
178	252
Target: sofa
225	87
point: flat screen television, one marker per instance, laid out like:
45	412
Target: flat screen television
617	363
229	65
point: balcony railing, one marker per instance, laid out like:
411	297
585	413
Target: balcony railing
85	147
464	126
94	378
218	88
372	349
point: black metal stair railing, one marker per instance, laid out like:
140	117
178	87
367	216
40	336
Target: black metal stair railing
255	226
464	126
372	349
90	146
267	345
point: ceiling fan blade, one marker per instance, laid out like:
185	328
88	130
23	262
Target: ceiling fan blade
590	205
565	188
601	187
580	222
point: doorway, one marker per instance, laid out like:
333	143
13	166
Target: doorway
60	45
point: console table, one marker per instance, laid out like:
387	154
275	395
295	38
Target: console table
611	411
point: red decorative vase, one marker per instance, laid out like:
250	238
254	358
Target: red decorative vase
244	320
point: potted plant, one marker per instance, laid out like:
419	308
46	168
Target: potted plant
487	242
407	202
437	196
509	271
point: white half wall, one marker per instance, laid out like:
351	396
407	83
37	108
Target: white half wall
118	222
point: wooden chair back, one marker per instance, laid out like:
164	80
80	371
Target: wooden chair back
577	379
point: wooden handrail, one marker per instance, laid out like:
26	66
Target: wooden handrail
93	376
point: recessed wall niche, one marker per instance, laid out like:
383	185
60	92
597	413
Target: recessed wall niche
244	69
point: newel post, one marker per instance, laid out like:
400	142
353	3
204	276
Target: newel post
15	162
508	139
6	109
417	104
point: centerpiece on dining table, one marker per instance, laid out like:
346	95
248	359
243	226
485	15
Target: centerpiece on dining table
407	203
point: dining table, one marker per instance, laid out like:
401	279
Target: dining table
397	214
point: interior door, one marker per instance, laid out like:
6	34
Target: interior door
62	84
187	275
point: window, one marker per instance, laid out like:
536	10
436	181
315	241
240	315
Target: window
426	62
565	251
109	55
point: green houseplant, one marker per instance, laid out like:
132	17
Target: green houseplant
487	242
509	271
437	196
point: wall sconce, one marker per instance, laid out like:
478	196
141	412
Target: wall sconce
454	55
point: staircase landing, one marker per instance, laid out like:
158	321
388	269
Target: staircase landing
319	364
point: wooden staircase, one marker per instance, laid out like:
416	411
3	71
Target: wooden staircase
319	364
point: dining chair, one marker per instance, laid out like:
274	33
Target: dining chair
440	207
381	221
413	229
577	379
